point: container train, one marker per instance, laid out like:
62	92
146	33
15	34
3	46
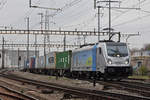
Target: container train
107	59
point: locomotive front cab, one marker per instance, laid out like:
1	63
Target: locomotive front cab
117	60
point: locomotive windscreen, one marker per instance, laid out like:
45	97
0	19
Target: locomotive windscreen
117	49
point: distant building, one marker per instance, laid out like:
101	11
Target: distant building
141	53
141	58
15	58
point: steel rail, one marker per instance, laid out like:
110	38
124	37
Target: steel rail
127	87
87	93
137	85
138	82
16	92
84	92
11	96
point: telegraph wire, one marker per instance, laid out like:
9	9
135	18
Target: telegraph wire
2	4
130	21
71	15
145	11
71	4
118	16
27	14
67	6
80	24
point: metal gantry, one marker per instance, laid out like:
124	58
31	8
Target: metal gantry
110	7
31	6
55	32
39	45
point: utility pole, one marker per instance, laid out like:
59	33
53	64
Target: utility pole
3	53
28	28
84	39
12	54
110	7
44	51
18	59
35	47
45	39
78	38
98	23
41	22
47	27
98	19
109	18
64	42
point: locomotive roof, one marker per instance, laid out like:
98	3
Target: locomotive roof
89	46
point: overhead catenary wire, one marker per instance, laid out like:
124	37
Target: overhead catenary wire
86	23
82	23
71	4
124	12
27	14
2	4
70	14
132	20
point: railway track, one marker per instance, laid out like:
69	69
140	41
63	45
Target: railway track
140	86
87	93
3	70
7	93
137	82
131	87
10	94
136	79
142	89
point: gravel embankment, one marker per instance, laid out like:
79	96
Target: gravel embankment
61	80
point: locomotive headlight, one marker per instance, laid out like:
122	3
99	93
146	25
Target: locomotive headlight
127	61
109	61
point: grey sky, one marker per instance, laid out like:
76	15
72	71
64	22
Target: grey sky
80	14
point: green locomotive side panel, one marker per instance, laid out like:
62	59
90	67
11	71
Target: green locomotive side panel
63	60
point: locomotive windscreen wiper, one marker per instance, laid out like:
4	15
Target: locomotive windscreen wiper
117	51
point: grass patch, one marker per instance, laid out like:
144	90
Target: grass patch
140	77
51	77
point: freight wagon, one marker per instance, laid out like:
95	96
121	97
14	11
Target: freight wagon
55	63
63	62
32	62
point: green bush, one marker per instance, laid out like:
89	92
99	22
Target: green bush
143	70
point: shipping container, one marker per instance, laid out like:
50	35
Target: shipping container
63	60
32	62
26	64
40	62
51	60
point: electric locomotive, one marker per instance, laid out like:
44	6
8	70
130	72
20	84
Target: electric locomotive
106	59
